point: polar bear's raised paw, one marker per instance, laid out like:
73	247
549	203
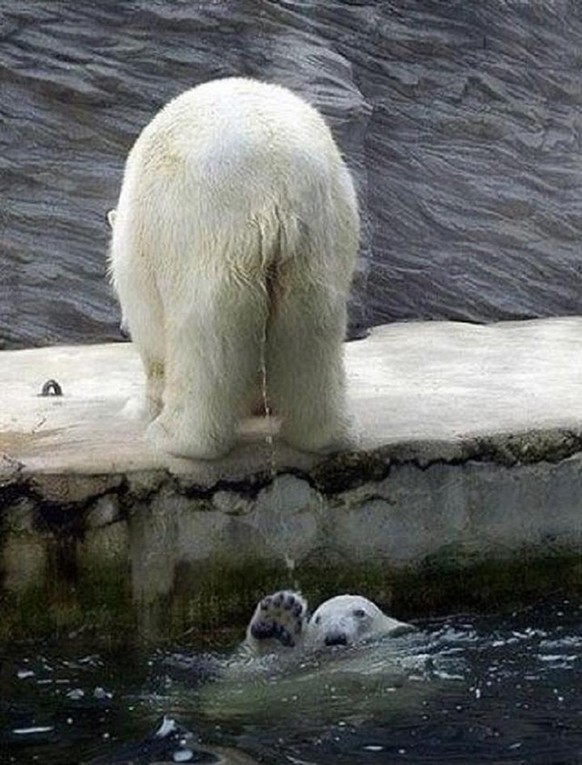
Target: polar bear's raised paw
281	617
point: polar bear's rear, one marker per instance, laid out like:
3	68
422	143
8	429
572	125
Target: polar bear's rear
237	227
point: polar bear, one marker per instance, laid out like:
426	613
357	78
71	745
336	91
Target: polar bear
281	621
287	671
233	248
282	636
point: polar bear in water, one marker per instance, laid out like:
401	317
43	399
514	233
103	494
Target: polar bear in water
281	621
287	671
349	661
334	661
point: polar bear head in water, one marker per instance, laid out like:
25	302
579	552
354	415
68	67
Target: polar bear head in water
349	619
281	622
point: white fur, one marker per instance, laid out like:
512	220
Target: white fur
237	228
352	617
342	620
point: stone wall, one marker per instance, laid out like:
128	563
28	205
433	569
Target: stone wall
460	120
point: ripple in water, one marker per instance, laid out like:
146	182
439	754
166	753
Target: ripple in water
496	689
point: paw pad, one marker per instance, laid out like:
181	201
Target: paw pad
279	617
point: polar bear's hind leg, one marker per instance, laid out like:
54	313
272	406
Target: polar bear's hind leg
211	369
305	374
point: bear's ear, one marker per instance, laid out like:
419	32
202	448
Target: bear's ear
111	217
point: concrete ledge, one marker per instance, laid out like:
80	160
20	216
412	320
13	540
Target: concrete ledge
466	489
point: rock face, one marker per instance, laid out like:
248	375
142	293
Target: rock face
460	120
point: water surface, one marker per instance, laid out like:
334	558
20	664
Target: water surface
493	689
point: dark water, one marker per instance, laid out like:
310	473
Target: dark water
496	689
461	120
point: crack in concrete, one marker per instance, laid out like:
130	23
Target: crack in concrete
330	477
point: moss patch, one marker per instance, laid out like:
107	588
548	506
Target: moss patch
210	605
96	605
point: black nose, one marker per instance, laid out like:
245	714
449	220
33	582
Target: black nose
336	638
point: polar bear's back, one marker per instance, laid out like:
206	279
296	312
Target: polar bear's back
241	172
253	114
239	140
233	249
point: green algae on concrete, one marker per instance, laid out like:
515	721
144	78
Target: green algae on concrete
211	604
172	564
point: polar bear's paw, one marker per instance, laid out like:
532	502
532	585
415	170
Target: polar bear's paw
328	438
174	441
280	617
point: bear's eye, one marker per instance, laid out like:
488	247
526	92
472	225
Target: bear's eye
317	619
359	613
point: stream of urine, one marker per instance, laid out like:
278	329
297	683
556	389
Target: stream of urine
275	490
